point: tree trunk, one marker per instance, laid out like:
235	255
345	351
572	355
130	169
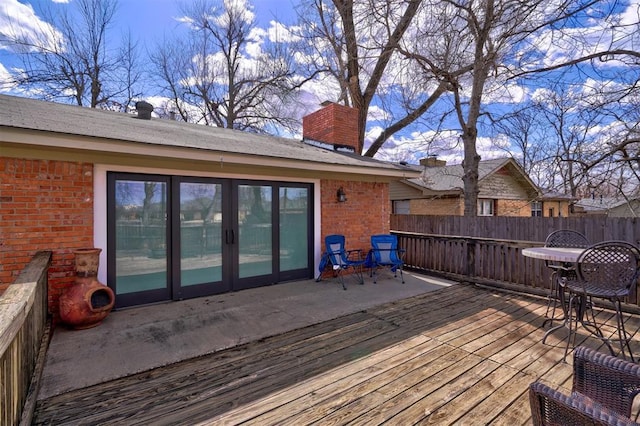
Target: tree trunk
470	176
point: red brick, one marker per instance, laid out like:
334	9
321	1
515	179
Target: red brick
36	217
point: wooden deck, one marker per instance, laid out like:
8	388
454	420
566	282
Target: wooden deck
461	355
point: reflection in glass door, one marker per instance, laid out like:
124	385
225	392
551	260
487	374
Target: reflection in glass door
200	239
294	228
139	235
177	237
254	236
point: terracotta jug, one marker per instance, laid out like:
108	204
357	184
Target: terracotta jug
87	302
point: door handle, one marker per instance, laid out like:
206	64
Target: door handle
229	236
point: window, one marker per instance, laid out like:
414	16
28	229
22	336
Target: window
536	208
401	207
485	207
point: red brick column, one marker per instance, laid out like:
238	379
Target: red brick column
365	213
44	205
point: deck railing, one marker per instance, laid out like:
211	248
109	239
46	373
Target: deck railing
486	261
23	325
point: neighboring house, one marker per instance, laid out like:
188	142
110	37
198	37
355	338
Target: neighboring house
505	190
608	206
180	210
553	204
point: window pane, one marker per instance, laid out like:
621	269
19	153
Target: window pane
294	207
485	207
200	233
141	230
254	230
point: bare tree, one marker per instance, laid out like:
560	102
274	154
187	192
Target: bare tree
224	73
578	136
354	43
526	130
72	58
595	127
440	54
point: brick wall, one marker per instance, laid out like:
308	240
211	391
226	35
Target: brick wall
365	213
440	206
560	209
513	208
44	205
334	124
48	205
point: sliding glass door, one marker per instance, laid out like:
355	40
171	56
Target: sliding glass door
138	255
198	221
253	244
178	237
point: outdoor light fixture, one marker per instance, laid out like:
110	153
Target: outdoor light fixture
342	197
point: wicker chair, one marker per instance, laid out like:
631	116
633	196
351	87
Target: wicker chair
606	270
603	391
561	238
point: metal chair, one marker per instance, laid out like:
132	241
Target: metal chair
341	259
560	238
385	253
605	270
603	391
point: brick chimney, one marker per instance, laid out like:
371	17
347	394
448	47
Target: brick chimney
432	161
333	124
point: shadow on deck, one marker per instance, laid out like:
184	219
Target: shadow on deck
451	354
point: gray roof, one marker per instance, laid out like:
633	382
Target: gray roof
62	119
553	195
449	177
601	203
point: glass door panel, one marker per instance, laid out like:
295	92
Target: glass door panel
254	239
294	228
140	225
200	233
177	237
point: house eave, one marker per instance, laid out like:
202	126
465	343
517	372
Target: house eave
39	144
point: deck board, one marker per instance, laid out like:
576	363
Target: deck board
462	355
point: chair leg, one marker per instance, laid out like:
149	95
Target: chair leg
622	332
572	331
358	271
551	298
554	298
341	279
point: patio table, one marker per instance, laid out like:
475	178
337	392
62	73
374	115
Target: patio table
554	254
569	255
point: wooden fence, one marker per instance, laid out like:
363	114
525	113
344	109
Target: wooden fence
23	334
487	250
520	228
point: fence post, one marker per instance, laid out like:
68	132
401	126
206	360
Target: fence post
471	259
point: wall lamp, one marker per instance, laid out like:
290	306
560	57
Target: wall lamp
342	197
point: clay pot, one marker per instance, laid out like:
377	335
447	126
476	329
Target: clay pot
87	302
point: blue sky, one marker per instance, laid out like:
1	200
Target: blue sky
159	16
151	20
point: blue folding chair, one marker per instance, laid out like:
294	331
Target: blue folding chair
341	259
385	253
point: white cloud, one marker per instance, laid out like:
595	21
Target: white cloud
19	21
280	33
5	80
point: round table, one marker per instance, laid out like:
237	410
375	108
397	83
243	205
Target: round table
554	254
